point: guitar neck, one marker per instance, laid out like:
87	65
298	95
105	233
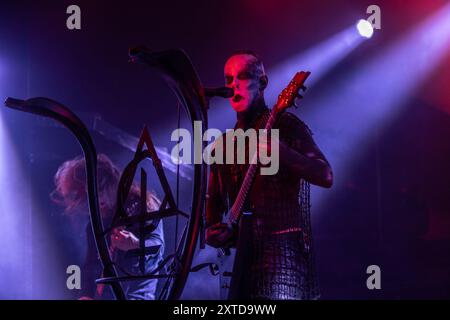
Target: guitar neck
236	209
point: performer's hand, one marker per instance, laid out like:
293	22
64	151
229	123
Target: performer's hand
85	298
124	240
220	235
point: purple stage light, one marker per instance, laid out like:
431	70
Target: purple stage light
375	94
15	253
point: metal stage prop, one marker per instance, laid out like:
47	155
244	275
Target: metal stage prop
176	69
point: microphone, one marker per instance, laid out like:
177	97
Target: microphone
223	92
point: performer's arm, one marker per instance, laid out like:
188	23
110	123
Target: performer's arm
218	234
126	240
301	155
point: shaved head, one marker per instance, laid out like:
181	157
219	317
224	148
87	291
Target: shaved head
255	64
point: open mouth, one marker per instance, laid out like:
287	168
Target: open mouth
237	98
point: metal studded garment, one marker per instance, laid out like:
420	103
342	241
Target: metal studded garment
281	263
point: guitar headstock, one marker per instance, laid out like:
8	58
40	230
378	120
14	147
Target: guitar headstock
287	97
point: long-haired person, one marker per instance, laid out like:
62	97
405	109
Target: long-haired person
71	193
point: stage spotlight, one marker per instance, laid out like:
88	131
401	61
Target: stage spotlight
365	29
420	52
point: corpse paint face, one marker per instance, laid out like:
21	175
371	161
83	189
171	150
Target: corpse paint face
242	74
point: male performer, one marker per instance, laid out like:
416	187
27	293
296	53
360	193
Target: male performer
280	254
70	192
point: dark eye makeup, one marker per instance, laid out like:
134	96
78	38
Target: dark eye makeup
245	75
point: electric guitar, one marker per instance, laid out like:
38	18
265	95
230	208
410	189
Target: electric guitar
236	219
